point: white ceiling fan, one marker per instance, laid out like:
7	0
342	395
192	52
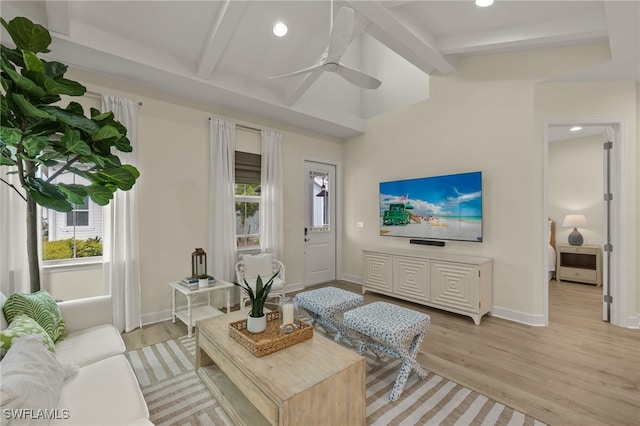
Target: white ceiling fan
339	39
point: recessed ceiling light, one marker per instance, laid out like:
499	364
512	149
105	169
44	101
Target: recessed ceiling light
575	129
280	29
484	3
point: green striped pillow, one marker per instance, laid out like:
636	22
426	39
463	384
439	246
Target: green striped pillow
20	326
41	307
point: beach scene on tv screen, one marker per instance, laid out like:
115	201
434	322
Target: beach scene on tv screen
440	207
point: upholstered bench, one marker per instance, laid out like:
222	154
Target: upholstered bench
386	327
325	304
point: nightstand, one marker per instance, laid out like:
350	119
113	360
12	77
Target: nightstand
580	263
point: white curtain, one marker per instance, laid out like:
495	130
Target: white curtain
121	257
14	268
271	198
222	236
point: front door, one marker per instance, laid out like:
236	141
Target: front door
319	224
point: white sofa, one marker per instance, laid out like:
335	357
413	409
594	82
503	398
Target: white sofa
105	391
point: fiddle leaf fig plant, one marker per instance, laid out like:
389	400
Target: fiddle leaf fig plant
37	132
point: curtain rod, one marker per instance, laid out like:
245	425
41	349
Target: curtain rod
248	128
99	95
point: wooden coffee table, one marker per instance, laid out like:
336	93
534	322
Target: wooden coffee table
315	382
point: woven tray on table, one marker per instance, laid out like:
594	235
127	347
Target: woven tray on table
270	340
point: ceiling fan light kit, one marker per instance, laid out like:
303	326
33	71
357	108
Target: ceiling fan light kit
339	39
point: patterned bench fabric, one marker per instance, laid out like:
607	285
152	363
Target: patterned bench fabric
385	327
325	304
387	323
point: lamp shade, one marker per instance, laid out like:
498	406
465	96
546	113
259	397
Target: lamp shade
574	220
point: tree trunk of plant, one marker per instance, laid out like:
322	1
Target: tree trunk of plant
32	244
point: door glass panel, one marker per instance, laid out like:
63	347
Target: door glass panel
319	187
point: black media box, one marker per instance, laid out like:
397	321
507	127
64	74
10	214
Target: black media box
427	242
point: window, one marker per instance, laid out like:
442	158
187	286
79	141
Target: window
79	216
247	200
73	235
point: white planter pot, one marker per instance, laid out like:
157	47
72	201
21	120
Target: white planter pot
203	282
256	325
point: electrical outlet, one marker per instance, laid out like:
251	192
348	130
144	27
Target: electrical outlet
359	224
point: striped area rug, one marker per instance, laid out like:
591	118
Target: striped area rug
176	396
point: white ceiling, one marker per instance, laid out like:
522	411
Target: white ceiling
220	52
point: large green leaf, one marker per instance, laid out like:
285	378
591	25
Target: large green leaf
72	143
27	35
33	145
124	145
99	194
23	82
12	55
32	62
54	69
10	136
61	205
75	193
134	172
118	176
107	133
28	109
73	120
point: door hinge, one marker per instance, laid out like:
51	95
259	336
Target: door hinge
607	298
478	273
608	197
608	247
608	145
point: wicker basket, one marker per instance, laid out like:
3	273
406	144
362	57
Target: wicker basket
269	340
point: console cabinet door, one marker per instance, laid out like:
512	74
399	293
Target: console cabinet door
411	278
454	285
377	270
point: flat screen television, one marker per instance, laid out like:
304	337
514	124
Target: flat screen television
438	207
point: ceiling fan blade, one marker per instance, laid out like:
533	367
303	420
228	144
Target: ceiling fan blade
358	77
302	71
340	35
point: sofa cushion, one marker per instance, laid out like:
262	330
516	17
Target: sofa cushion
20	326
90	345
3	322
32	378
103	393
40	306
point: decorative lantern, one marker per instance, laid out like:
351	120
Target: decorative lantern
198	263
288	312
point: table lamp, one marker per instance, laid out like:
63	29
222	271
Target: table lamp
573	221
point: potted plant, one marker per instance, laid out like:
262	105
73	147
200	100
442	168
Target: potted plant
39	131
203	281
257	320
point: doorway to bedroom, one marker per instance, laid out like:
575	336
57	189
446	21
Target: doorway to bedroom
579	182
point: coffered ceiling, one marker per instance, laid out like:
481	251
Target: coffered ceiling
221	52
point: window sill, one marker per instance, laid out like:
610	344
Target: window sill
72	265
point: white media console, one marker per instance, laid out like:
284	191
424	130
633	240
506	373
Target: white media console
455	283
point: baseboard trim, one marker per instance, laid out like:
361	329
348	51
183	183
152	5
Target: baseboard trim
535	320
356	279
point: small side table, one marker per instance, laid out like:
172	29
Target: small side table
190	314
579	263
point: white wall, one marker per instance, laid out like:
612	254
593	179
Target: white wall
484	117
575	185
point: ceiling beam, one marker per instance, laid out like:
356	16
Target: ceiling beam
58	17
220	32
311	78
420	49
582	28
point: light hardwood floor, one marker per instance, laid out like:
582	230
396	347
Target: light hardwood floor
577	371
